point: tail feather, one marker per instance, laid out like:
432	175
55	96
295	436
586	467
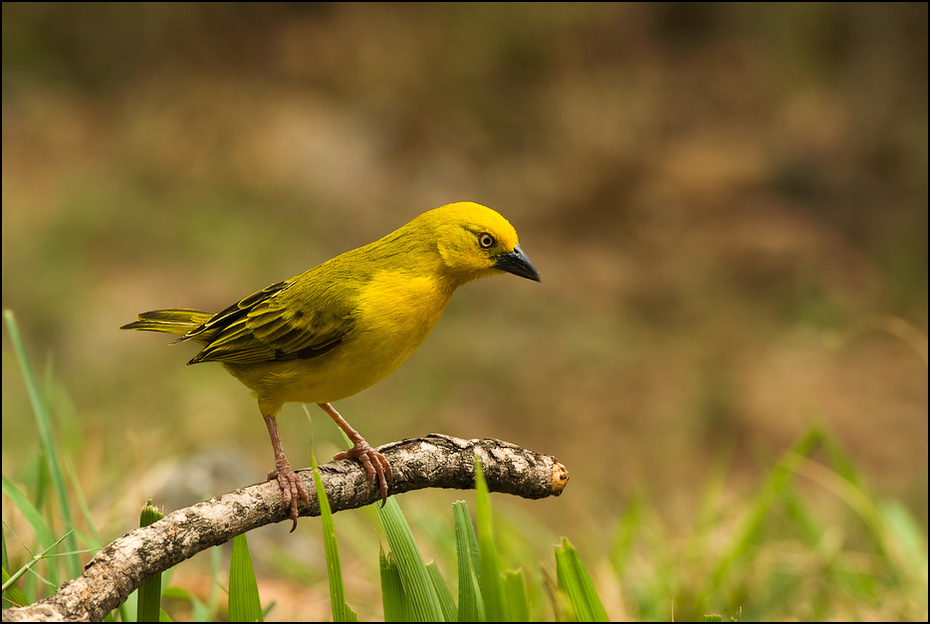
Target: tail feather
177	321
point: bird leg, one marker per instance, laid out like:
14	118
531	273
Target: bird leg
375	464
291	485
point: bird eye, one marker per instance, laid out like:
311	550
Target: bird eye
486	240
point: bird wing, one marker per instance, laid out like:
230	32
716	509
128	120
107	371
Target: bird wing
285	321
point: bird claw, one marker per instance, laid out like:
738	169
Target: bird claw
375	464
292	488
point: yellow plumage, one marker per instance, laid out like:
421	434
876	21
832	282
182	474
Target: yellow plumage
344	325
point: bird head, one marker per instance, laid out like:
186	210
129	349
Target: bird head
474	241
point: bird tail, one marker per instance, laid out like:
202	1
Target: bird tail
178	321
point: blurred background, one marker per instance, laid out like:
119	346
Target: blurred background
727	205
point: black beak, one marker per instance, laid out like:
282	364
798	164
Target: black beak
518	263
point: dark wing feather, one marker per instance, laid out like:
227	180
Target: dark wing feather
296	319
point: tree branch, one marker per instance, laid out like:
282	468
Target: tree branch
436	461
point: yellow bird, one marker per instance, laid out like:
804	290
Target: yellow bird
348	323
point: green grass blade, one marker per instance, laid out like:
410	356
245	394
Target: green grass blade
773	489
516	602
471	604
244	602
417	581
47	441
393	599
490	579
4	562
624	539
341	610
449	610
148	607
907	532
901	555
472	539
12	594
879	517
573	579
93	541
32	515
